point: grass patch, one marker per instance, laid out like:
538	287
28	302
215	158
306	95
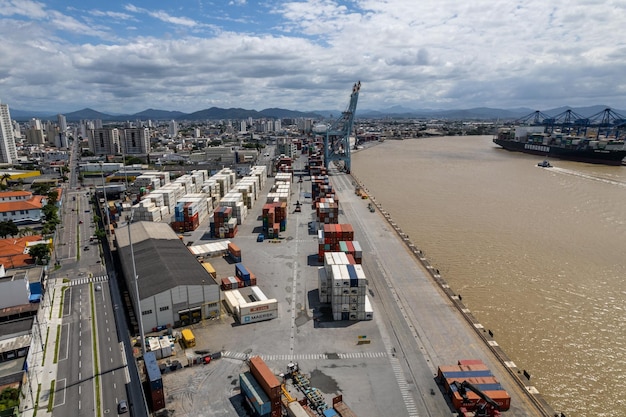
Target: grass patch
37	400
56	345
63	288
51	397
45	349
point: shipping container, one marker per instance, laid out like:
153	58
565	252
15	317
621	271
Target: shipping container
157	400
470	362
257	307
257	294
265	377
241	271
342	409
209	268
234	251
231	301
260	316
188	338
254	394
502	398
295	409
153	373
330	412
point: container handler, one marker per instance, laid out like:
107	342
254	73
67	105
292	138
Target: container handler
487	408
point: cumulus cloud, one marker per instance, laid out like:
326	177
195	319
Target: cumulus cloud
437	54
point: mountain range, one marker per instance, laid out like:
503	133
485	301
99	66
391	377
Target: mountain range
398	112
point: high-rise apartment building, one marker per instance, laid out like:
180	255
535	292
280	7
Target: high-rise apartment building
105	141
135	141
8	152
62	123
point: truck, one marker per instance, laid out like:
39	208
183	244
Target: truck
485	407
189	340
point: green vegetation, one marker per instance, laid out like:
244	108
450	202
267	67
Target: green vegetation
8	228
62	299
9	398
45	349
51	397
56	344
40	253
36	407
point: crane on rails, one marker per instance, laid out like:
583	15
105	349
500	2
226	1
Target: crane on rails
337	135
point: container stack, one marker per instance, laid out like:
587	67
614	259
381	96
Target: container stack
274	217
284	164
318	181
241	272
223	224
234	200
234	252
169	195
325	273
209	250
326	211
259	171
352	248
147	211
475	372
268	382
254	395
231	283
329	237
349	300
154	382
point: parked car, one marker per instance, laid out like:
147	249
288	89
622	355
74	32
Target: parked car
260	237
122	407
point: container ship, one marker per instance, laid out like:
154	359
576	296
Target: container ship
534	140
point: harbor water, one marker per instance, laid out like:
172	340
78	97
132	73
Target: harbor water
538	254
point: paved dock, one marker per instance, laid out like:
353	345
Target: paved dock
417	324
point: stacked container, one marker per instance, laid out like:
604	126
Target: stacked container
274	217
352	248
254	395
349	300
330	236
223	224
218	248
231	283
269	383
234	252
154	382
248	278
234	200
327	211
475	372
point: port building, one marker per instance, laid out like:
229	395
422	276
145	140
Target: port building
174	288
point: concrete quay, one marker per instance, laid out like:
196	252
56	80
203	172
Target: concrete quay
418	324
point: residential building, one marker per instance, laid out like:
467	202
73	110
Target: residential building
135	141
8	152
21	207
104	141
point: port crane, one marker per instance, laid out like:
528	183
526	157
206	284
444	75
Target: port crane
486	408
337	135
607	123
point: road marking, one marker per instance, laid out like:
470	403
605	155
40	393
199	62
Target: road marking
60	394
67	343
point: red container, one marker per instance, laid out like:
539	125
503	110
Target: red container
351	259
265	378
502	398
234	249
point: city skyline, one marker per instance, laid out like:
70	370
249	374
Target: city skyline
305	55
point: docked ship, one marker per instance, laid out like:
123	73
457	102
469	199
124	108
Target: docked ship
536	141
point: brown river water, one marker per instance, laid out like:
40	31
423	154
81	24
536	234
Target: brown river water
538	254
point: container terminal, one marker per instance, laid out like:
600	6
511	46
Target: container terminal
325	308
387	364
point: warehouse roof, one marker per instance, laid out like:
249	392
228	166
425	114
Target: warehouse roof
161	258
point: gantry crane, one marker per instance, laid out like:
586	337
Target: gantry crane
337	136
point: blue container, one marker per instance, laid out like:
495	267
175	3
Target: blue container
467	374
254	394
482	387
283	225
345	315
152	371
242	272
330	412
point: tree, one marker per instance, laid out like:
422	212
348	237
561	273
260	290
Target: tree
9	398
39	252
8	228
40	189
53	197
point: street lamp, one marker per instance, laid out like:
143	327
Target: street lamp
136	278
106	203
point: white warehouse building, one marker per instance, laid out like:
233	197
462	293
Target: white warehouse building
174	288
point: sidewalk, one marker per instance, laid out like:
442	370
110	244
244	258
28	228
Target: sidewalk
42	370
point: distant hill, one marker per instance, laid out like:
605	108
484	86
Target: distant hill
216	113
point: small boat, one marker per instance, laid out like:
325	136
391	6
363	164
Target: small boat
544	164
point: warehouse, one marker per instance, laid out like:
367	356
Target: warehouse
174	288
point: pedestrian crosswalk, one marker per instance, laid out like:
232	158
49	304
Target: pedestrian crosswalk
306	356
87	280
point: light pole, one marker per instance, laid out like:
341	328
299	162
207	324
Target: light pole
135	279
106	203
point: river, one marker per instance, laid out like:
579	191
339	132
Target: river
538	254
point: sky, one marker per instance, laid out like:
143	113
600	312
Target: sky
189	55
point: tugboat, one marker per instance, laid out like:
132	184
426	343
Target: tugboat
544	164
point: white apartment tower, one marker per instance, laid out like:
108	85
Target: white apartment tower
105	141
8	153
173	129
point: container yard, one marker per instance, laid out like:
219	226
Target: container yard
377	365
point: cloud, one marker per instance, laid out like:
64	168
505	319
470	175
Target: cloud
28	8
163	16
